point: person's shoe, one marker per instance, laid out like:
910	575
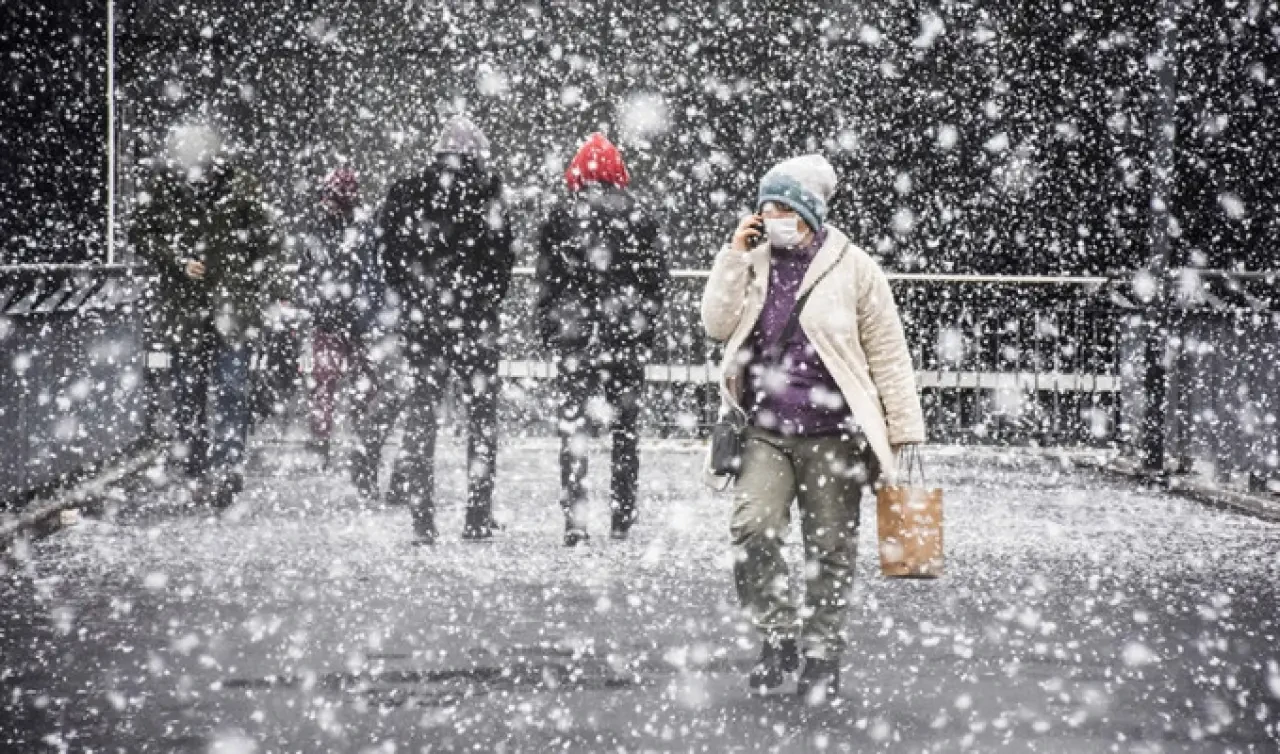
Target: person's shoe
222	489
778	659
424	527
819	681
575	530
479	526
365	479
398	491
194	469
621	524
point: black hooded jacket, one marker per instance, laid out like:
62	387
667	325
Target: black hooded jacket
602	276
446	251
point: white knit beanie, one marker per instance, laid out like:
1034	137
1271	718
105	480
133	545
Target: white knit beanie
462	136
804	183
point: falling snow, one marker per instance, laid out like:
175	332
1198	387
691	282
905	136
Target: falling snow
358	223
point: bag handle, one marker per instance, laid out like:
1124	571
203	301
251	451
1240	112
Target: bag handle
910	460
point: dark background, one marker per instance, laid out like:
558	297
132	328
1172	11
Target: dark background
1019	139
53	125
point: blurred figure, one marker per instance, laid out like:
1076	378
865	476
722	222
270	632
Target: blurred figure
601	277
447	257
343	290
203	228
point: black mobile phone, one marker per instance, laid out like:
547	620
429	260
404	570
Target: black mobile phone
758	227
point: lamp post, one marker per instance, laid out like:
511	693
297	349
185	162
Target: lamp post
1155	381
111	132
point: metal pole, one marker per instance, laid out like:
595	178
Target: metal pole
111	132
1155	381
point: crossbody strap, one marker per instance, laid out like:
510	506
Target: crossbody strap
776	349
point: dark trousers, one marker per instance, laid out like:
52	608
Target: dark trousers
621	385
203	366
276	378
473	371
376	409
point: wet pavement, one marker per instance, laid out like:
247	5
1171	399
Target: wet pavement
1078	615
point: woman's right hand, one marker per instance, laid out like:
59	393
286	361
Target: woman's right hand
748	232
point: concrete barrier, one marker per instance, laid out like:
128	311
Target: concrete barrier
72	383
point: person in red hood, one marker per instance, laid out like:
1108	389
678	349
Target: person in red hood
602	277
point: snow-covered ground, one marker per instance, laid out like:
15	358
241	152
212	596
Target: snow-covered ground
1077	615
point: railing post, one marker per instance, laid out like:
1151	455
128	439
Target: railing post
1155	379
1155	386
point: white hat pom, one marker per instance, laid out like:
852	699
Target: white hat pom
813	172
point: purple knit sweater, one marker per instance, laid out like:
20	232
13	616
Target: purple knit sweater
799	396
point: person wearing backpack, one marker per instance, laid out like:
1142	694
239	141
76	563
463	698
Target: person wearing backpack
601	275
447	258
816	367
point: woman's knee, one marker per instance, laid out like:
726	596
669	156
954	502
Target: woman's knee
757	520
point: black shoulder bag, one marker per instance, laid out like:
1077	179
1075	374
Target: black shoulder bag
728	433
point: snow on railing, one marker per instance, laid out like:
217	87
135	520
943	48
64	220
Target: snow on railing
919	277
33	289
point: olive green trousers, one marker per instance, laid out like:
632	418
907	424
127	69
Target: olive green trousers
824	476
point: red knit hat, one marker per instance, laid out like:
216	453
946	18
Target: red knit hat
598	161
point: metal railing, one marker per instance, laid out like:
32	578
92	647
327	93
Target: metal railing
999	359
32	289
1201	376
1010	360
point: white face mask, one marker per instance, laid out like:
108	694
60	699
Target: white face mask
783	232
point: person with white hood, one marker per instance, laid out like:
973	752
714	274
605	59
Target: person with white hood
447	257
817	369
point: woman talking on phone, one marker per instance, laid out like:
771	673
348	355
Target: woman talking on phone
818	386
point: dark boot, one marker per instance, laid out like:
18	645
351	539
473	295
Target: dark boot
622	522
365	479
424	524
221	489
819	681
195	466
575	530
778	659
398	492
479	525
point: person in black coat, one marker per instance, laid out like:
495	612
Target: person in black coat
205	231
447	257
601	276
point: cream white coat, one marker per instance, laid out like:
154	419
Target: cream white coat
853	324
